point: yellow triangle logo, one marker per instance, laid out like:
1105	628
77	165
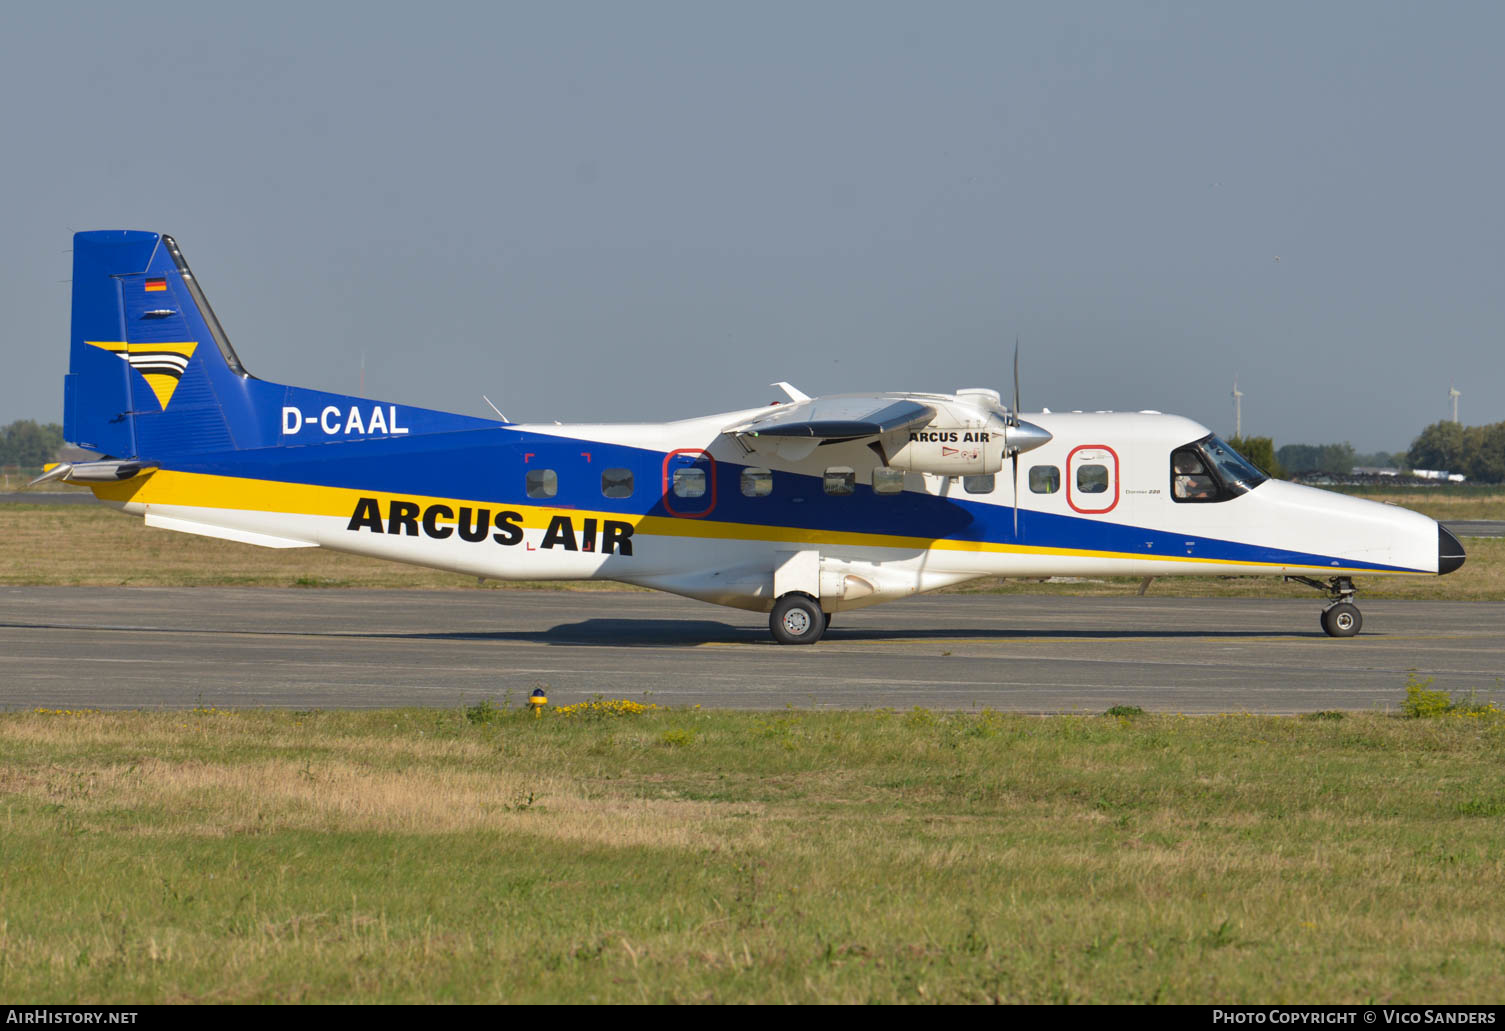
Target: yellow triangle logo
161	365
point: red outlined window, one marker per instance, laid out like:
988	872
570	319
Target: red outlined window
689	483
1092	479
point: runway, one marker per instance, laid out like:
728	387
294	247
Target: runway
1476	527
247	647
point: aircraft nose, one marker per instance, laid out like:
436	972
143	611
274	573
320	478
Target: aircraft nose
1450	554
1026	437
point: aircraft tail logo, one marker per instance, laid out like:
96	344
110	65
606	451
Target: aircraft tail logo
161	365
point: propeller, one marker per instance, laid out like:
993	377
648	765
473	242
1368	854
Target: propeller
1013	423
1019	436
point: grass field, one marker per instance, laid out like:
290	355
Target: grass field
92	545
1441	503
687	856
106	548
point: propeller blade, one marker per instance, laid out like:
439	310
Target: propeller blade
1016	381
1016	497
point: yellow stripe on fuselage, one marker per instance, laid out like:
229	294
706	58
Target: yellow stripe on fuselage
204	490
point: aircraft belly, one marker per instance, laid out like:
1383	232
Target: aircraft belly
743	574
527	559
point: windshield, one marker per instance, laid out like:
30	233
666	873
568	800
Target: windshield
1237	472
1208	470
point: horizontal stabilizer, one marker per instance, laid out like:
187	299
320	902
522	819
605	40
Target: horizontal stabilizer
224	533
108	471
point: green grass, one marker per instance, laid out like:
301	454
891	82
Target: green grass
1455	501
640	854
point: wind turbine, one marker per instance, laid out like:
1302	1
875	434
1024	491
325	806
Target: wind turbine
1238	410
1454	393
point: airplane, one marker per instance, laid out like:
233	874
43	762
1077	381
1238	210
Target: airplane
802	509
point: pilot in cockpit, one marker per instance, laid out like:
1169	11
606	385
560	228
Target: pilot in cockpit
1191	481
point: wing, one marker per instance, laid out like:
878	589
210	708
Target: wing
831	419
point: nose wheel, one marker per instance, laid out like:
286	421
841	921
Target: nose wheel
797	619
1342	617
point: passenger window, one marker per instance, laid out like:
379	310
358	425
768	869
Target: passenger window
757	483
1044	479
887	481
616	483
1190	480
689	483
542	483
841	479
977	484
1092	479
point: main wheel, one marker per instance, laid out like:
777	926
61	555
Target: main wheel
797	619
1342	620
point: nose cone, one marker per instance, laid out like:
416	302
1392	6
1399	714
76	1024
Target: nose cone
1026	437
1450	554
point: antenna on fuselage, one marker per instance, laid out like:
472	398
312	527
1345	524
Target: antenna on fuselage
494	408
1238	407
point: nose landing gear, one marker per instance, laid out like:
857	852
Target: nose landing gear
1342	617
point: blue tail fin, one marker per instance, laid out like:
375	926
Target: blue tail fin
150	370
152	375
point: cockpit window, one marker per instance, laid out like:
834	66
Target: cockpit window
1210	470
1236	471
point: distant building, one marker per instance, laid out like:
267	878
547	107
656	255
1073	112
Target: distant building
1438	474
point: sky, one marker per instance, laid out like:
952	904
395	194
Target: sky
644	211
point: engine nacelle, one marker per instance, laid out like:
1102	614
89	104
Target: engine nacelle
953	450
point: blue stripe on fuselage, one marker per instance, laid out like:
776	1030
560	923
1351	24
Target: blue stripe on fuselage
487	466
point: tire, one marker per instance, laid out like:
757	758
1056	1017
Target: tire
797	619
1342	620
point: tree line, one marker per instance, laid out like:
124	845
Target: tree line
1478	452
30	444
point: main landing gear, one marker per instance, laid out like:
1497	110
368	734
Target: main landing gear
1342	617
797	619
